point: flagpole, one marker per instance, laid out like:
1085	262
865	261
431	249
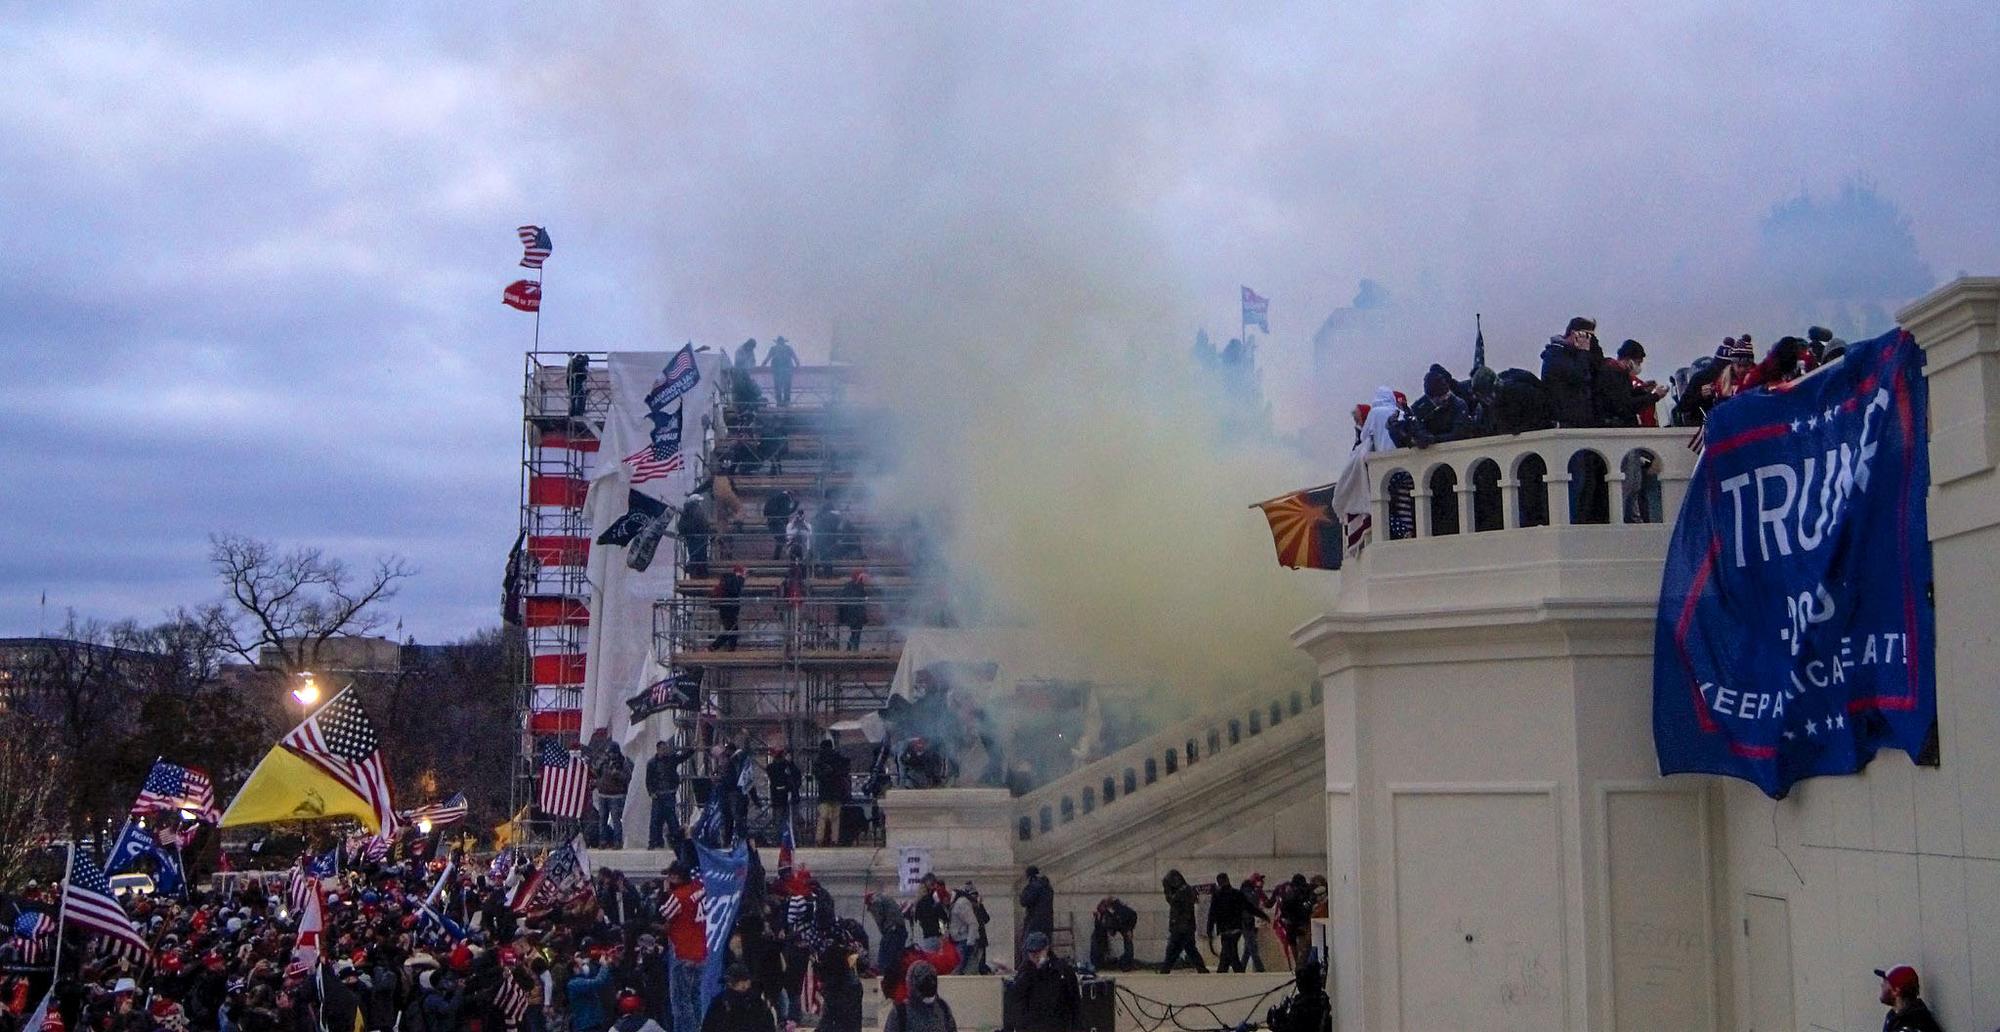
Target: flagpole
538	305
62	915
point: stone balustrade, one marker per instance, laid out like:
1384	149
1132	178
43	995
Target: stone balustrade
1155	760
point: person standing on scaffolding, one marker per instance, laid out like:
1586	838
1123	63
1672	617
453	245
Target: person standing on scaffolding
782	360
578	372
852	612
778	511
728	608
694	529
746	357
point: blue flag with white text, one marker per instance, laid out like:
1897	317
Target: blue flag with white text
722	874
1795	634
133	842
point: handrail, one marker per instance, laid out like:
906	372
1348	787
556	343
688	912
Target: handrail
1509	482
1156	759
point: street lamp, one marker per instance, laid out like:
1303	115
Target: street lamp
307	692
424	825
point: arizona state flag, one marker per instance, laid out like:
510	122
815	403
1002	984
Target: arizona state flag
1304	529
288	787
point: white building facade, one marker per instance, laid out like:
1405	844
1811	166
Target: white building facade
1503	851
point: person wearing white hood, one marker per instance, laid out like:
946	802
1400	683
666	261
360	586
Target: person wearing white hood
1353	498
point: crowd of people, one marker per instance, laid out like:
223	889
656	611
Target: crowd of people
436	947
1581	384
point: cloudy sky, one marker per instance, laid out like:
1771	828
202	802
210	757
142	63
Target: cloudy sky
258	257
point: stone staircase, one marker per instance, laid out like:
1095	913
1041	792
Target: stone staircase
1233	790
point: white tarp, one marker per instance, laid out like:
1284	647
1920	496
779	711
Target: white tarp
647	418
1017	653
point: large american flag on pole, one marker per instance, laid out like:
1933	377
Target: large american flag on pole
171	787
338	739
565	781
535	246
89	905
451	811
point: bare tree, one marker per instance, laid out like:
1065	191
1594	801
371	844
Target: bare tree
290	604
29	814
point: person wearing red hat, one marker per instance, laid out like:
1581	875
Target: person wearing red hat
632	1014
1907	1010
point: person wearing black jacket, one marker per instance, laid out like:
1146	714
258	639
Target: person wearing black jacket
1044	992
778	512
1569	372
694	529
738	1008
1180	923
840	988
1231	913
852	612
830	774
785	778
1038	898
663	783
728	596
1440	415
1112	917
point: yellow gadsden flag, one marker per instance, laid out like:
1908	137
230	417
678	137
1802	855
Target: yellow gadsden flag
286	787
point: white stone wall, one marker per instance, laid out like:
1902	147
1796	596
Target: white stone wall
1901	864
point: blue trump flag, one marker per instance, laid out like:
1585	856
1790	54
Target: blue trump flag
1795	632
133	842
722	875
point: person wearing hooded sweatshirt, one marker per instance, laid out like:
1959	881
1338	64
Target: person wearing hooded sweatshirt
1181	899
925	1010
1569	371
1038	899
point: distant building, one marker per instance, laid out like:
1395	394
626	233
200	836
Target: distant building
38	675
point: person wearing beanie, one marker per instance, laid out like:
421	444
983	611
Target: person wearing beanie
1901	993
924	1010
1440	415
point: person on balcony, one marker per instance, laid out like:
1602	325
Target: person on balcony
728	595
1440	415
1624	400
777	514
852	612
782	360
1569	373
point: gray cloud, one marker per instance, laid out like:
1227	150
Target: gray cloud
259	254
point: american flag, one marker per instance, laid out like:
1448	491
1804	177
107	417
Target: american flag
171	787
534	246
34	934
339	739
511	999
648	464
565	782
305	955
451	811
300	886
90	906
375	849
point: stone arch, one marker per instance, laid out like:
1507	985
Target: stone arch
1442	483
1589	497
1531	472
1641	486
1486	498
1401	490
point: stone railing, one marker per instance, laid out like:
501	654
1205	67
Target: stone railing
1547	478
1156	760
